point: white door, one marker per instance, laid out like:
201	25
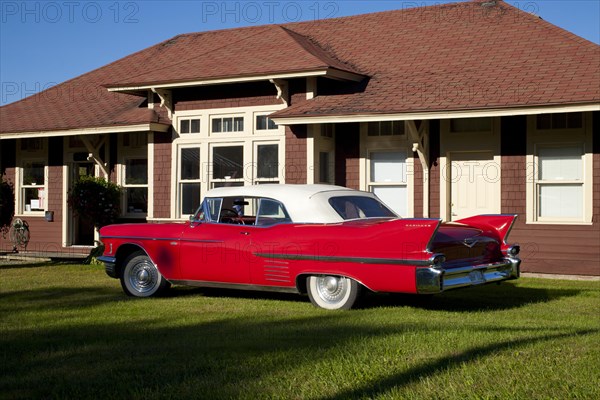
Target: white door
474	184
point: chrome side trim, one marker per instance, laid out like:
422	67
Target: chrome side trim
433	280
161	239
360	260
237	286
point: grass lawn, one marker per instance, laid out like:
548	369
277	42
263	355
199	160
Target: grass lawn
68	331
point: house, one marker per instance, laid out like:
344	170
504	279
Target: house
443	111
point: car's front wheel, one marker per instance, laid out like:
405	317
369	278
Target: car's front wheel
333	292
140	277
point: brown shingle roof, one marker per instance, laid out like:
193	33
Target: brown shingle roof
455	57
254	51
439	58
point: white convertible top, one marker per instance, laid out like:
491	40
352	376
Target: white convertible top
304	203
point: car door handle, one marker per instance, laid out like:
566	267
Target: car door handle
244	233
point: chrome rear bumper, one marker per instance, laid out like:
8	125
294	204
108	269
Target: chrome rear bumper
436	280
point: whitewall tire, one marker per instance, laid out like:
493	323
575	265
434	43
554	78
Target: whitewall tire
332	292
141	278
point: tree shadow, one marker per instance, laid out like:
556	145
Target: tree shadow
224	356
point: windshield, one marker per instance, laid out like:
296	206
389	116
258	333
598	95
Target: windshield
354	207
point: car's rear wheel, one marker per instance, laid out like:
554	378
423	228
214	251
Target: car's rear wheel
333	292
140	277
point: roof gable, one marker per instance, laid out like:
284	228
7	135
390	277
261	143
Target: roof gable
255	51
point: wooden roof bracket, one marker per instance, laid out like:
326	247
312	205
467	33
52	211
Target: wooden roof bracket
420	140
282	90
166	99
94	152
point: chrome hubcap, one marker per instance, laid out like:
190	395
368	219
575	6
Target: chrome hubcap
143	277
331	289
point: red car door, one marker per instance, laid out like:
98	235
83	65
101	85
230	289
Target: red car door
215	252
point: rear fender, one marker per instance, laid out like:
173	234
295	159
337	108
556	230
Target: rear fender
499	223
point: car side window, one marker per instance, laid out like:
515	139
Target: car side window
357	207
271	212
213	209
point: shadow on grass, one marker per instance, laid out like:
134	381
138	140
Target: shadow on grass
431	369
135	354
475	299
480	298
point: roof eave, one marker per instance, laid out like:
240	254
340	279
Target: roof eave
328	72
153	126
427	115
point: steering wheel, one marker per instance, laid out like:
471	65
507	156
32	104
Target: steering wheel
229	216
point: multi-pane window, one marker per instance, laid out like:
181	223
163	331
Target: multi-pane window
136	185
263	122
227	124
33	186
559	183
189	180
387	179
267	163
559	121
385	128
227	166
189	125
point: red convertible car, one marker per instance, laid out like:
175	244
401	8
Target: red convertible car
326	241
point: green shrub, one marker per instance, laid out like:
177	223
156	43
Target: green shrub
97	200
7	206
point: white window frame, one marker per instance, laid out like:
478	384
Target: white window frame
317	143
257	131
136	150
544	138
179	182
233	117
126	186
237	180
189	119
387	143
280	155
206	140
40	156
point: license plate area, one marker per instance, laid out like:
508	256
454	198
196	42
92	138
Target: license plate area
476	277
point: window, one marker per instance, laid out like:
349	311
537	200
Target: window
387	179
353	207
385	128
136	186
189	180
263	122
559	182
560	121
227	124
465	125
267	163
560	168
33	186
327	130
227	166
189	126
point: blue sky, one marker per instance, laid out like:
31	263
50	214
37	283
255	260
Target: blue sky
43	43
